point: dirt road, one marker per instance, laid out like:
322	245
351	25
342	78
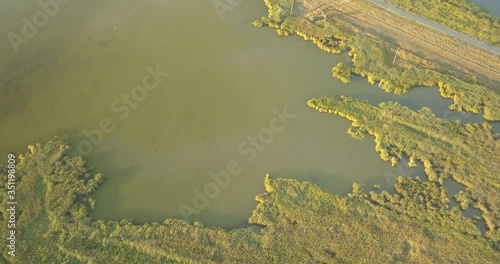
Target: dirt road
450	55
437	27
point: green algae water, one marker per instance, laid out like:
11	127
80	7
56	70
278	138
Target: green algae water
220	110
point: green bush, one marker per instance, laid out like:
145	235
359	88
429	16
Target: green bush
342	73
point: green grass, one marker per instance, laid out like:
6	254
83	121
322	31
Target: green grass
372	59
302	224
467	154
459	15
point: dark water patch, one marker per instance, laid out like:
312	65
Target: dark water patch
453	188
490	5
474	214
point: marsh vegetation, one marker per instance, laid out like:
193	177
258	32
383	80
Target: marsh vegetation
301	223
449	150
372	58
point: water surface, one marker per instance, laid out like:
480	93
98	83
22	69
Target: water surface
226	80
492	6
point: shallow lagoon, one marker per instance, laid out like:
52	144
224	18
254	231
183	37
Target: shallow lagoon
226	77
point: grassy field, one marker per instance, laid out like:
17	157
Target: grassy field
460	15
467	154
300	224
372	58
